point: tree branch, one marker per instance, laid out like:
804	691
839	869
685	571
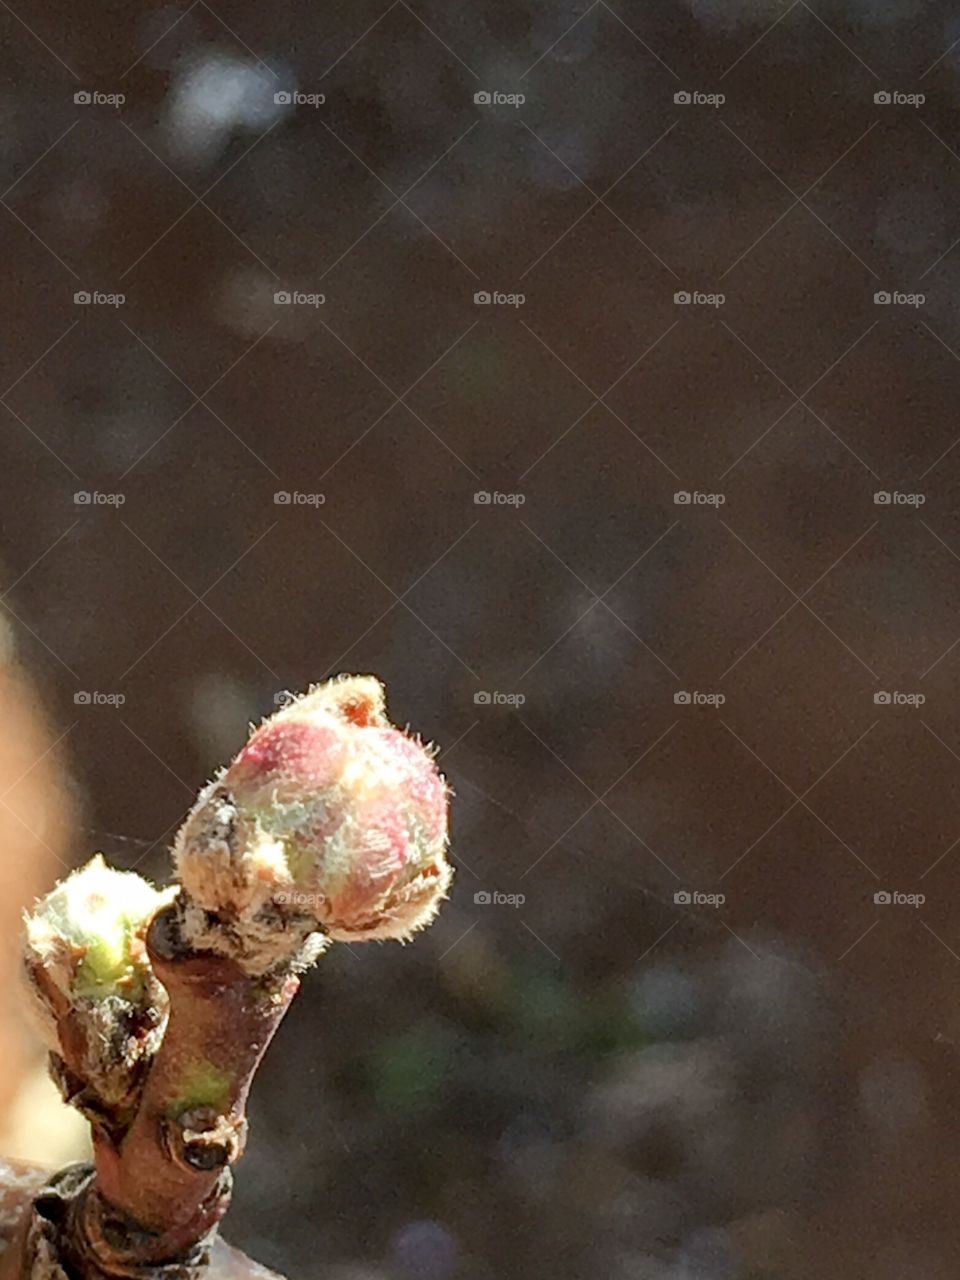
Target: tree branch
330	823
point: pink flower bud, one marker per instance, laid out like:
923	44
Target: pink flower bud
329	818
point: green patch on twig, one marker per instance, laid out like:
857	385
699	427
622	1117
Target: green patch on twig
204	1085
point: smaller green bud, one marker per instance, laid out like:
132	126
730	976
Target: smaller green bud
101	1008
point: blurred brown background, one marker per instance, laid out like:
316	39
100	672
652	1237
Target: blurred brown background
603	1080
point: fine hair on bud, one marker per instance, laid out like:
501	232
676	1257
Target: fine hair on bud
330	821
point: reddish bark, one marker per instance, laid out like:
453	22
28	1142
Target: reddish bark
19	1184
171	1171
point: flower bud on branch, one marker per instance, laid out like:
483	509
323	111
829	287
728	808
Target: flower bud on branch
329	819
101	1009
329	824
